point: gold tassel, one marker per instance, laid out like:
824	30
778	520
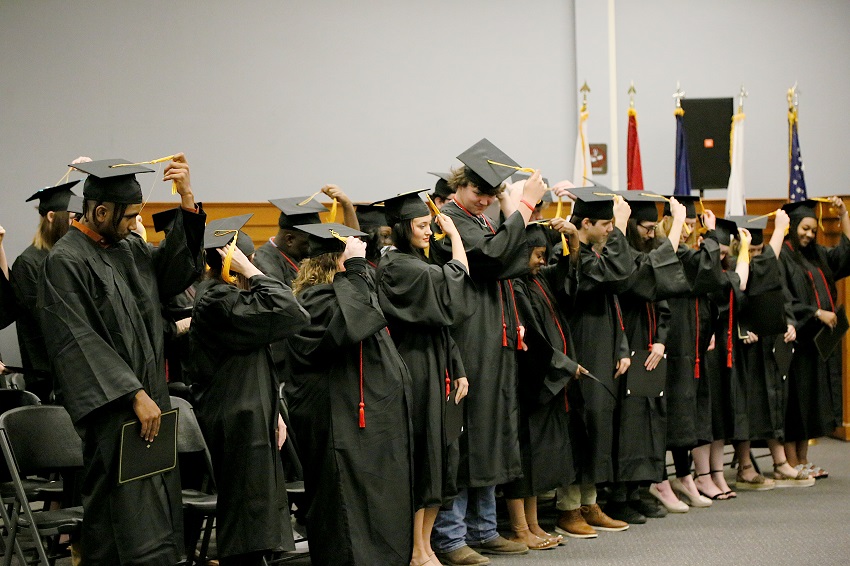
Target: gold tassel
151	162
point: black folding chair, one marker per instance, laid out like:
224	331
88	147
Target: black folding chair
196	470
39	440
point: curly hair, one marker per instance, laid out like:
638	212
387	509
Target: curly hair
319	270
463	176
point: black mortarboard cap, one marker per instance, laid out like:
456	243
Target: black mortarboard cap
370	216
593	202
690	202
755	224
162	221
802	209
221	232
643	205
107	183
536	237
325	238
75	204
441	187
725	230
405	206
53	199
293	213
478	157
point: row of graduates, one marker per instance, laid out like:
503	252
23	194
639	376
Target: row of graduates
368	376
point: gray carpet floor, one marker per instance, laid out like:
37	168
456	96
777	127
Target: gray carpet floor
782	527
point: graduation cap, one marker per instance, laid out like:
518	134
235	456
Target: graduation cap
405	206
689	201
441	187
53	199
801	209
535	236
371	216
75	204
327	238
593	202
755	224
726	229
221	232
489	162
294	213
643	205
112	180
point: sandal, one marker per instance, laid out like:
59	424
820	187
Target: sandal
729	494
802	479
717	497
543	544
758	483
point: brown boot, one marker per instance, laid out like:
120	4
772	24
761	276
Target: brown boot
600	521
572	524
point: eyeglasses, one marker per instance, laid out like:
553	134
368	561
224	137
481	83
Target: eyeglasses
648	229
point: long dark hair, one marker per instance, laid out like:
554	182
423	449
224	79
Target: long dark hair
810	253
635	239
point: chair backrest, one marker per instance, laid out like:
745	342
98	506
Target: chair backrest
14	398
42	437
192	445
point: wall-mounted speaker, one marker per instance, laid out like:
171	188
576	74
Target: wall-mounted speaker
708	123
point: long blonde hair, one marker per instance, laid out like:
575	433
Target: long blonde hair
48	232
319	270
663	228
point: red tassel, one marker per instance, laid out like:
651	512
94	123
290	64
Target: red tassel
448	385
566	402
696	369
362	400
362	416
696	365
504	334
519	342
729	333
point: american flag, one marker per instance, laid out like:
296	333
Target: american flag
683	167
796	180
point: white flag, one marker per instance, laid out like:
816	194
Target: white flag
582	167
736	200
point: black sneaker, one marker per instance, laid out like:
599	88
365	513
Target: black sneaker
649	509
624	512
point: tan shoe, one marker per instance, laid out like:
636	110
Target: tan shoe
572	524
600	521
501	545
463	556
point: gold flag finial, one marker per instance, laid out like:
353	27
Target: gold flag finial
631	93
741	96
584	90
678	95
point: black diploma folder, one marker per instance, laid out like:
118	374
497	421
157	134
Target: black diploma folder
827	339
782	353
643	383
139	458
453	417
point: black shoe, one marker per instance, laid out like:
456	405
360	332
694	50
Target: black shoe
624	512
649	509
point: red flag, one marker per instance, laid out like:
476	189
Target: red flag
634	173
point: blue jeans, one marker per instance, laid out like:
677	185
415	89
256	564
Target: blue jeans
470	521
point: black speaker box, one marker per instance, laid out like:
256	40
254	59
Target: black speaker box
708	123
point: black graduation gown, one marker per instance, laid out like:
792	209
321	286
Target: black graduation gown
270	260
489	451
814	388
24	279
766	390
236	399
640	444
100	316
420	301
725	370
687	391
600	341
177	308
357	479
546	371
7	302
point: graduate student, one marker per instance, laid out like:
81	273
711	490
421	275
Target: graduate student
488	342
99	300
281	255
53	224
443	191
811	270
349	394
726	373
640	420
421	301
686	391
235	390
765	384
545	298
596	324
